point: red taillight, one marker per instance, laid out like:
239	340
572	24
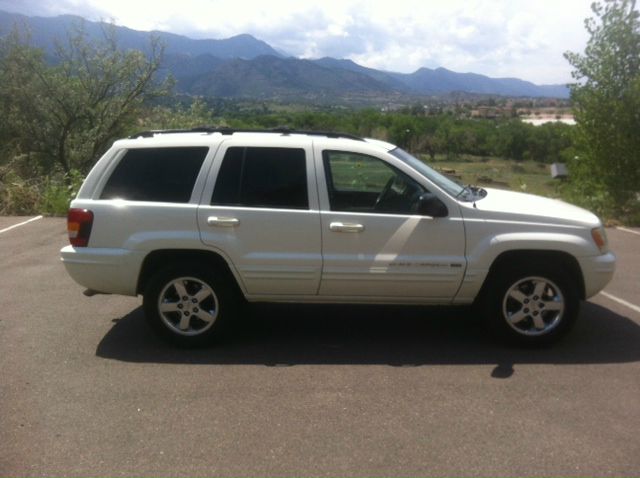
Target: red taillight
79	222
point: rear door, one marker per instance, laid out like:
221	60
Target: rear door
260	208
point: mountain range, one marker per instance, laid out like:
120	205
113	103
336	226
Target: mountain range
244	67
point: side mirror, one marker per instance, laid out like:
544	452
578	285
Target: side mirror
430	205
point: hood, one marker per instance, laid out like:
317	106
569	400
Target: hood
509	205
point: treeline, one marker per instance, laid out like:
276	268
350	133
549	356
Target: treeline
410	128
434	135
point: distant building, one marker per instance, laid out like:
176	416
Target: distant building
492	112
485	112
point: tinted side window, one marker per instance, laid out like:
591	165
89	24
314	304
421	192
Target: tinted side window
357	172
156	174
361	183
262	177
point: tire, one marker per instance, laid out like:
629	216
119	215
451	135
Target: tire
531	304
189	305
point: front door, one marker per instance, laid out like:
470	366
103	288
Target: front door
375	245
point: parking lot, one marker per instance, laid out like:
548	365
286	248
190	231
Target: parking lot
85	389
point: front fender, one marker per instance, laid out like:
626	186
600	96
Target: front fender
482	253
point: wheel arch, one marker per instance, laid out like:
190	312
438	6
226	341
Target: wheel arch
561	258
162	258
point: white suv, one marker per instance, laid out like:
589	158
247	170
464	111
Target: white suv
198	220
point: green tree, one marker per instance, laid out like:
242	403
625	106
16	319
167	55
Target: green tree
65	113
511	139
606	100
198	113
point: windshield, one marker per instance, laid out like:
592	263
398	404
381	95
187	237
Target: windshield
450	186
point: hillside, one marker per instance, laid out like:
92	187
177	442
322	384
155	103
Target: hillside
44	30
245	67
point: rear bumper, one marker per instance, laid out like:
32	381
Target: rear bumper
112	271
597	272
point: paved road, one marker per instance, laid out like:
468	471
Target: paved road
86	390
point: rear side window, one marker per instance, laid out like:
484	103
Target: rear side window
156	174
262	177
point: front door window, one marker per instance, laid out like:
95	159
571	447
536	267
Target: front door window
361	183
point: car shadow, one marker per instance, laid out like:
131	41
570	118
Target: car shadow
287	335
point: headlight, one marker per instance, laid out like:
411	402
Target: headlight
599	236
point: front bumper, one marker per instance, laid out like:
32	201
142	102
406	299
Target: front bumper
597	272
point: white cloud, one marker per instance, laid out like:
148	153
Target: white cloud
517	38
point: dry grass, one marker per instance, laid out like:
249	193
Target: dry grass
525	176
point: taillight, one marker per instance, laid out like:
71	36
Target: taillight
79	222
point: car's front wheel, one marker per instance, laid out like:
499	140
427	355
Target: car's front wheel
188	305
534	304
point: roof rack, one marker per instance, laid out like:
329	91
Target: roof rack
284	130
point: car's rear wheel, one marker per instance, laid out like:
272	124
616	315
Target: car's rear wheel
534	304
189	305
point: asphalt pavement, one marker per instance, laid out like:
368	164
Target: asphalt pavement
86	389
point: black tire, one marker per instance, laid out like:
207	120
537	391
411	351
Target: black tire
199	315
533	304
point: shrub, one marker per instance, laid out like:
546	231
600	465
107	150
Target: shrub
18	196
58	192
50	196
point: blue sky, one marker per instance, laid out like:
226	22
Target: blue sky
499	38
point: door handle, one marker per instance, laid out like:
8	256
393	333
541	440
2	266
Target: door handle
222	221
346	227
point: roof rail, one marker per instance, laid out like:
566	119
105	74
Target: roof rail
150	133
284	130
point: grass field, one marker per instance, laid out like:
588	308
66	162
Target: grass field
524	176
